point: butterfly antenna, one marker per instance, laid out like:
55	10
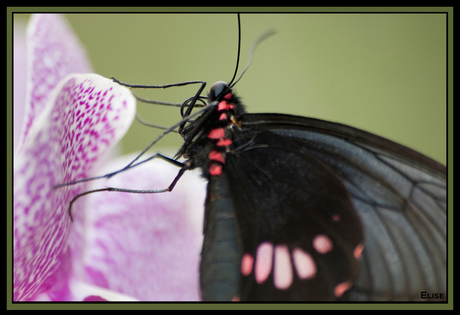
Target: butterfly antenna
238	53
254	45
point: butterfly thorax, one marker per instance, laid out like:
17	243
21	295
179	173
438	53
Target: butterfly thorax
210	138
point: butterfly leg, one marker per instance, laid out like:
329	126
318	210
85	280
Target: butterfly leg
136	191
190	103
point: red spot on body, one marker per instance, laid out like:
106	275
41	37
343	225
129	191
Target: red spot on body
236	298
247	263
217	133
216	156
223	105
322	244
224	142
223	116
228	96
215	169
336	217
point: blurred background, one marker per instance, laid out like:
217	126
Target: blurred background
384	73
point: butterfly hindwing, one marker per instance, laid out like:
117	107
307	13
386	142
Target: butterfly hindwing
399	195
304	209
300	234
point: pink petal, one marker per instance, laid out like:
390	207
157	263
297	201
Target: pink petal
84	117
94	298
86	292
144	245
53	52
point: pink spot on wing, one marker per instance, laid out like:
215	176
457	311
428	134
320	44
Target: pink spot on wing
217	133
357	252
247	263
263	262
341	288
282	274
236	298
216	156
215	169
304	264
322	244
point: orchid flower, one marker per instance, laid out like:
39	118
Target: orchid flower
120	246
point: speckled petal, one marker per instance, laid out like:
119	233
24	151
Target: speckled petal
53	52
144	245
85	116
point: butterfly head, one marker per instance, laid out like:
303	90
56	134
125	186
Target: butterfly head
218	89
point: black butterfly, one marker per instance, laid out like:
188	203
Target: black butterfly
304	209
309	210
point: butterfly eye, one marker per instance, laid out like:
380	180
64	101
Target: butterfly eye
217	89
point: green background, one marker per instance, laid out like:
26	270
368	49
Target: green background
385	73
381	72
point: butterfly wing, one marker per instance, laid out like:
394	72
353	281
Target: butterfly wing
285	181
295	219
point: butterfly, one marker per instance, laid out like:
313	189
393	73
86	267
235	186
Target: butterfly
302	209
